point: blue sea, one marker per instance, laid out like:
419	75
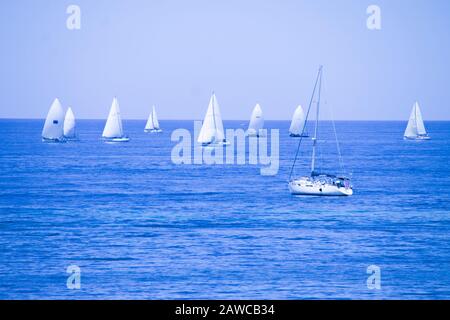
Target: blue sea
140	227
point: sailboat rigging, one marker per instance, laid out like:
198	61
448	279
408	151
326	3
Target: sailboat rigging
152	122
113	131
318	184
415	129
212	132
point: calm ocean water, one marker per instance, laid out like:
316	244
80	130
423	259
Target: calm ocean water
140	227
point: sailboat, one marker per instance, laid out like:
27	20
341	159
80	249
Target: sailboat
69	125
113	131
256	122
298	123
53	128
318	184
152	122
416	128
212	132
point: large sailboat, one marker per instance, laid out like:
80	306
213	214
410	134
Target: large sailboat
416	128
152	122
298	123
212	132
69	125
256	122
53	130
113	131
318	183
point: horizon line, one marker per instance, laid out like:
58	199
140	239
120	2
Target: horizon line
245	120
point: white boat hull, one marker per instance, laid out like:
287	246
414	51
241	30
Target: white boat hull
318	184
152	130
299	187
418	138
124	139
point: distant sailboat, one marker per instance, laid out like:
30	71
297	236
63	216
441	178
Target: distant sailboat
152	122
53	130
69	125
256	122
319	184
113	131
212	129
416	128
298	124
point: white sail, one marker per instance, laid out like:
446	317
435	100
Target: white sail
419	120
155	119
208	130
220	135
69	124
113	127
415	126
298	122
411	128
152	122
256	121
149	126
53	127
212	128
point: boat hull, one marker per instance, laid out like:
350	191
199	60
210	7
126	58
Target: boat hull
113	140
299	135
57	140
71	139
418	138
153	131
216	144
255	135
315	189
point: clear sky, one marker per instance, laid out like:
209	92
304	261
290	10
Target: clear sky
173	53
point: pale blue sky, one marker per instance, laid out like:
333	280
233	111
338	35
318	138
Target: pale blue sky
174	53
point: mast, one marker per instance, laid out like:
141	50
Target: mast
119	118
214	115
153	118
415	119
306	120
313	160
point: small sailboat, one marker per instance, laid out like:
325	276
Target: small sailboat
416	128
319	184
113	131
152	122
69	125
298	124
256	122
53	130
212	132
